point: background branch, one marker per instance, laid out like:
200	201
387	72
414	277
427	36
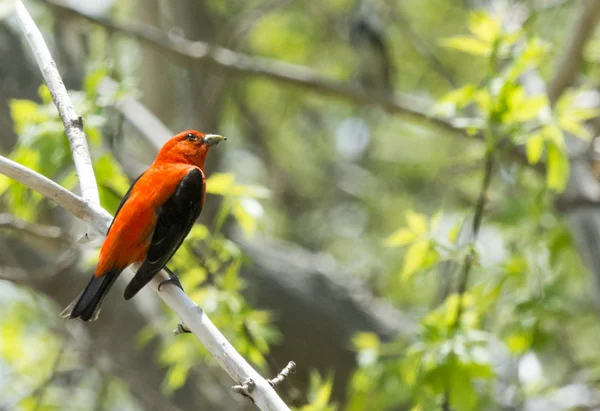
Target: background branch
8	220
569	64
271	69
282	72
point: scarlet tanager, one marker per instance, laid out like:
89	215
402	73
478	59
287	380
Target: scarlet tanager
156	214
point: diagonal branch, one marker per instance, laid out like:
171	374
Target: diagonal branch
181	49
192	315
275	70
569	64
72	121
86	208
91	214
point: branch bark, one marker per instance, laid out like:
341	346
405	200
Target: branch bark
87	208
285	279
570	62
72	121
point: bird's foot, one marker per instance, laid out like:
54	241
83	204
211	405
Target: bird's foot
181	329
173	279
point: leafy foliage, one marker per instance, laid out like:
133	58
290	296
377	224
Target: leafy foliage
367	190
207	263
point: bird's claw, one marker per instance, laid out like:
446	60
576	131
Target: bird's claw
172	280
181	329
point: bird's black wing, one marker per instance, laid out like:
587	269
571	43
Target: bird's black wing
125	198
175	220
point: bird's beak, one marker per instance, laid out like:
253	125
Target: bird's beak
213	139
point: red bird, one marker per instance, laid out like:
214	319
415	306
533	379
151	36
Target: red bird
153	219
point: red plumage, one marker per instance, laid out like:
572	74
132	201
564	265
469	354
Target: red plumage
152	220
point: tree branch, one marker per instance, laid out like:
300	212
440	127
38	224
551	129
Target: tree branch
279	71
87	209
72	121
9	221
271	69
192	315
569	64
476	225
94	215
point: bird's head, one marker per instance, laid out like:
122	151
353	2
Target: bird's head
189	147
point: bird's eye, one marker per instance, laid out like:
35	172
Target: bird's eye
192	137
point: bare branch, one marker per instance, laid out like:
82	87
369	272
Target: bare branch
289	369
279	71
570	63
8	220
89	210
92	214
72	121
271	69
192	315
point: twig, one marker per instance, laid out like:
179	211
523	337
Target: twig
85	208
9	221
477	219
245	389
289	369
72	121
471	254
570	63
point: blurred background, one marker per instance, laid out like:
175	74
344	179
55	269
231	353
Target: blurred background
407	206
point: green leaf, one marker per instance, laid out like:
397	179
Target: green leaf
416	221
484	27
224	184
176	377
435	220
45	95
558	168
414	259
399	238
462	392
246	220
11	346
365	341
24	112
534	147
92	81
468	45
574	126
453	233
518	343
461	96
528	109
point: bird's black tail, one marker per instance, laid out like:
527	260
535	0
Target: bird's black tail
87	304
